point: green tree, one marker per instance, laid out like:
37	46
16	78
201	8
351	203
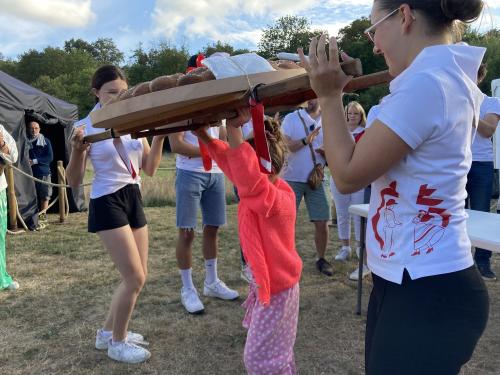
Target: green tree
8	66
286	35
63	74
353	41
222	47
162	59
103	50
52	62
491	41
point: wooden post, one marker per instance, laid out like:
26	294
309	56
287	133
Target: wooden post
62	191
11	197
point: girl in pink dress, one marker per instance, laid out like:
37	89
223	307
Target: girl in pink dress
266	220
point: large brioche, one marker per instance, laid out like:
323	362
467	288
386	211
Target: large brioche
286	64
164	82
189	79
141	89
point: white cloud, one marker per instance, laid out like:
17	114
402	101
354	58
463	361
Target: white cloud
336	3
241	21
216	18
56	13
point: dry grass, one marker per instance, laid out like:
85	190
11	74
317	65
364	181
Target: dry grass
66	278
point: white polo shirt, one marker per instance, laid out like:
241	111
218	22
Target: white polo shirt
417	218
482	147
299	164
110	171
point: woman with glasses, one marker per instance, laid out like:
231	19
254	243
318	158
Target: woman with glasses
429	305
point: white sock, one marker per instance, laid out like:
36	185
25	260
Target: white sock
210	271
187	278
113	342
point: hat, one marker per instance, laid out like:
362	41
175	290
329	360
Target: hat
195	62
391	202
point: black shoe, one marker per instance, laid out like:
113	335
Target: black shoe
486	272
324	267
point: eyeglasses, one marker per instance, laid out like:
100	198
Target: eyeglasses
370	32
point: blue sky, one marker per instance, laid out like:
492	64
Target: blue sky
35	24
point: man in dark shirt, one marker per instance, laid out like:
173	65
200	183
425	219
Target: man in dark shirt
40	154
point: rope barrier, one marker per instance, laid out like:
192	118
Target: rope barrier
44	182
19	217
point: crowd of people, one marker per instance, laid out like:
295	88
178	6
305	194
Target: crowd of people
418	158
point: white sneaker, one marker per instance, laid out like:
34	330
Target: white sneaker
246	274
354	274
127	352
344	253
191	301
220	290
102	340
13	286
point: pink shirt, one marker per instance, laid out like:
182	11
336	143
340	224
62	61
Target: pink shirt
266	220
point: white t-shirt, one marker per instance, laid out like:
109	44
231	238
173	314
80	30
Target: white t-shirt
11	157
482	147
299	164
196	164
110	172
372	115
417	219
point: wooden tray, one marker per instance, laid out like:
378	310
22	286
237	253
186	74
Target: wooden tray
186	107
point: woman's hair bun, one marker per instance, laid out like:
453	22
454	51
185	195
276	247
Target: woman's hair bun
463	10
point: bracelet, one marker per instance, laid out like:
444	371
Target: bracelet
304	141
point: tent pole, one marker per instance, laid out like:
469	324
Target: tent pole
61	181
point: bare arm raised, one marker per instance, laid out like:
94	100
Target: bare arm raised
353	166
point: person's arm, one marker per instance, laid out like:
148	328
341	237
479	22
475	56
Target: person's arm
8	146
295	145
353	166
180	146
217	150
75	170
151	156
222	133
235	136
488	125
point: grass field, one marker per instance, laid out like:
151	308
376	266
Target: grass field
66	277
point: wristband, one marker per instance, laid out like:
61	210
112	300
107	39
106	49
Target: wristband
304	141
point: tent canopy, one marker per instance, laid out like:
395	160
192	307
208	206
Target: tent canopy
19	104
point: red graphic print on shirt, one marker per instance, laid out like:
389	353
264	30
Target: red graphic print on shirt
430	224
390	221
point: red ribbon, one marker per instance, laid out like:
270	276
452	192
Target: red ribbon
261	148
205	157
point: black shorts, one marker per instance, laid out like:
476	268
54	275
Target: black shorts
115	210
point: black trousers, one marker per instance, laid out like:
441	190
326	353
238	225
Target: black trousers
425	326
